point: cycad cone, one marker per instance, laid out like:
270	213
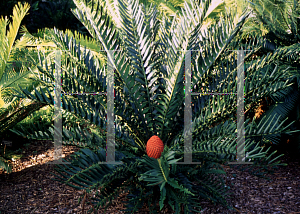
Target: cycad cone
154	147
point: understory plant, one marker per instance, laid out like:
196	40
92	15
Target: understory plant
14	71
149	84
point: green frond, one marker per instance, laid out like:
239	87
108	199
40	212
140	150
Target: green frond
8	39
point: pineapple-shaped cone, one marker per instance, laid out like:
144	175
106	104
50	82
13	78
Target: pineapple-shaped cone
154	147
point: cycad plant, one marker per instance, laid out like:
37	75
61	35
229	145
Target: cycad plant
148	58
12	73
278	22
17	66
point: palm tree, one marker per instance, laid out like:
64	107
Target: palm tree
149	100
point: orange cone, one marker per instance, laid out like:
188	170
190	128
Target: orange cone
154	147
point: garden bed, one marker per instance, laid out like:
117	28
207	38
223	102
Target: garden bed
29	188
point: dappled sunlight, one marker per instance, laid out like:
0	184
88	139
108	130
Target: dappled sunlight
37	153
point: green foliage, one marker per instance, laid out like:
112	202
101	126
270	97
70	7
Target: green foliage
43	116
5	165
11	110
278	23
149	100
278	19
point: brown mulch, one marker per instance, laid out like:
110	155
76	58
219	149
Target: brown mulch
29	188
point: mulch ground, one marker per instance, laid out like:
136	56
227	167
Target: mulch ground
29	188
